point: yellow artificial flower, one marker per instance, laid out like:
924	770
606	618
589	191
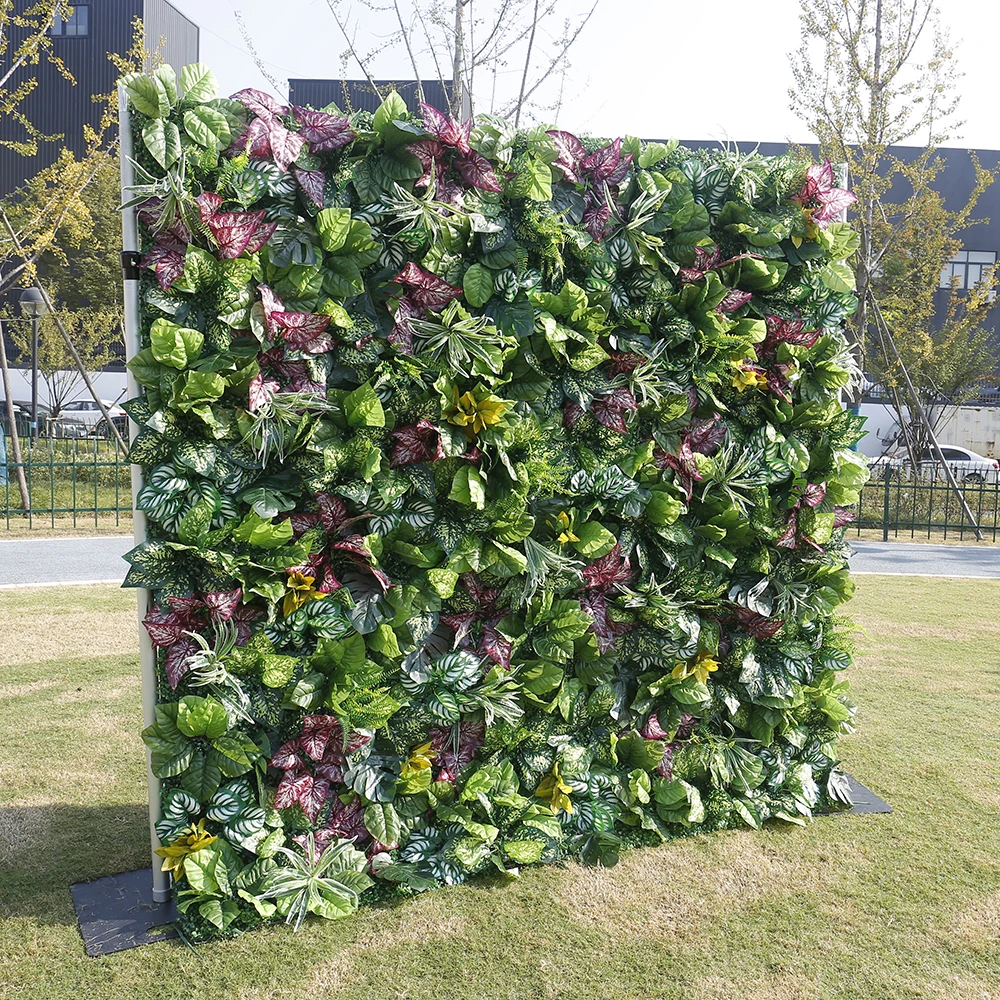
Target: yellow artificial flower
474	414
300	591
747	378
556	791
193	839
419	760
701	666
564	526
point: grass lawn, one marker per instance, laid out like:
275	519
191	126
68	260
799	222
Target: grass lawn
881	907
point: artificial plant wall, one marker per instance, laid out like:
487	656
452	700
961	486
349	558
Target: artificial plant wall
496	485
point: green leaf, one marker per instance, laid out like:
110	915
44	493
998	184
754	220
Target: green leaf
198	83
208	127
263	533
163	140
174	345
537	180
838	276
363	408
196	388
333	226
383	823
594	540
467	487
477	285
392	107
147	94
201	779
201	717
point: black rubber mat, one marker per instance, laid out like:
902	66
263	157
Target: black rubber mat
117	912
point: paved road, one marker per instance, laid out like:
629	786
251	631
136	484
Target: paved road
916	559
29	561
88	560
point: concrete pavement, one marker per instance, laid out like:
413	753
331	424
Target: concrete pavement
918	559
28	561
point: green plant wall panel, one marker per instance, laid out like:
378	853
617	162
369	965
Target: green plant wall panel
496	484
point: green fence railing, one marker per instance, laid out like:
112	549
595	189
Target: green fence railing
900	502
70	481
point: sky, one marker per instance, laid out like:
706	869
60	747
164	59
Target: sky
654	68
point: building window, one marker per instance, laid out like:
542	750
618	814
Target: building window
968	267
77	24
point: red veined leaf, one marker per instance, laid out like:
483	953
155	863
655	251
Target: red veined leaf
595	604
305	331
289	756
460	622
426	290
260	103
285	145
620	172
497	647
608	572
571	152
166	261
175	662
333	770
356	739
610	408
345	821
401	335
313	183
478	171
310	793
256	139
813	494
842	516
484	596
572	411
624	363
652	730
208	203
735	298
261	391
601	164
333	511
382	578
430	153
705	435
164	627
832	203
243	617
329	583
303	522
787	540
317	732
236	231
596	219
756	625
446	128
354	546
416	443
222	603
324	132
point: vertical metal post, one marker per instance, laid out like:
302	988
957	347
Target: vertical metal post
34	378
885	506
147	655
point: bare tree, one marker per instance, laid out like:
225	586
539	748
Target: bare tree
493	56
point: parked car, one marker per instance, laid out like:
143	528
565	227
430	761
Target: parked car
86	411
968	466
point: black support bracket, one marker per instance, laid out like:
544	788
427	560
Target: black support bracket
130	264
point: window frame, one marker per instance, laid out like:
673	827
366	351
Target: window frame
61	23
964	263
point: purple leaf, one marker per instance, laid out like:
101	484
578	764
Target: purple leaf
735	298
333	511
260	103
285	145
478	171
165	627
416	443
446	128
261	391
324	132
289	756
425	289
167	262
175	661
222	604
610	408
596	218
608	572
313	183
571	152
256	139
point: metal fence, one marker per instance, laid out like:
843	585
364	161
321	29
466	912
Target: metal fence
901	502
71	482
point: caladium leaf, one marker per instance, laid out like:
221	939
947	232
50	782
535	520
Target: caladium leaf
478	171
446	129
571	153
304	790
609	572
167	261
285	145
313	183
324	132
259	103
425	289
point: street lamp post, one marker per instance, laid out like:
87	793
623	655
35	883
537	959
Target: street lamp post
33	306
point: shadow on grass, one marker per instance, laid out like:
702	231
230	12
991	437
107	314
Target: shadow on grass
44	849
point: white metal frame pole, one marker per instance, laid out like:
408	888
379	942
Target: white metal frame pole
147	654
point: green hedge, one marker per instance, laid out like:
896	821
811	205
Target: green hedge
496	484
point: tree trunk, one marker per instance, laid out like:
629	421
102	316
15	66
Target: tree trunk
458	64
